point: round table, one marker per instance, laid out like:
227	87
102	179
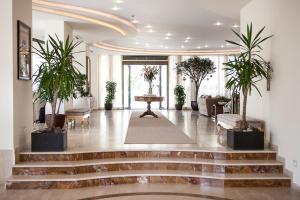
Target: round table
149	99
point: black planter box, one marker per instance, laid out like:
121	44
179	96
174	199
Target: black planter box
239	140
194	105
45	140
108	106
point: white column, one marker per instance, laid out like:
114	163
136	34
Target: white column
16	95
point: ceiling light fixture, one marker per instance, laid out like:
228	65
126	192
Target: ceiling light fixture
118	1
115	8
134	20
148	26
166	47
147	44
218	23
79	17
186	41
168	34
167	38
222	46
198	47
235	26
137	43
182	46
150	31
188	38
206	46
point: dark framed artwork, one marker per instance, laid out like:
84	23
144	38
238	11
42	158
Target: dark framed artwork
24	51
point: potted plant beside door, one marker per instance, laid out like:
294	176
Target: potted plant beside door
57	79
244	73
179	96
110	96
197	69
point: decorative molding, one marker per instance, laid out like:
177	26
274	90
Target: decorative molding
79	17
85	11
110	47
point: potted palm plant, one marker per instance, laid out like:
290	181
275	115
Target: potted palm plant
179	96
110	96
244	72
197	69
57	80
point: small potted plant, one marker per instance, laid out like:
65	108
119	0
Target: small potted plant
179	96
110	96
244	72
197	69
57	79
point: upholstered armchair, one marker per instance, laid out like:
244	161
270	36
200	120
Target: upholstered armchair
206	105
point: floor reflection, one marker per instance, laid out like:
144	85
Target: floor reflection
107	130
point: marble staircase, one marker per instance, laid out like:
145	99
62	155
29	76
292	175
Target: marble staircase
69	170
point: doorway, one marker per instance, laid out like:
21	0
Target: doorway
134	85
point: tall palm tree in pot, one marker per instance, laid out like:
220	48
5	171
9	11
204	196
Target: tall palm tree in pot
244	72
57	80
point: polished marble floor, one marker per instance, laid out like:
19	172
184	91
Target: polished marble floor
107	131
206	193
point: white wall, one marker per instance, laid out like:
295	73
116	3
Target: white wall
16	95
279	106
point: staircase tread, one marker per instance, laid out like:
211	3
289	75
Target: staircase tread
147	160
112	174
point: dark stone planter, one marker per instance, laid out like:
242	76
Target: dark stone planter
178	107
239	140
194	105
45	140
108	106
59	120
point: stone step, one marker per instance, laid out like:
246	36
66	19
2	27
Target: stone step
124	164
143	177
117	154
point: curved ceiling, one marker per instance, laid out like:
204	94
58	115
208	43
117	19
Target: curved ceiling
176	25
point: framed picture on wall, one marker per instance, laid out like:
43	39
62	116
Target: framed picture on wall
24	51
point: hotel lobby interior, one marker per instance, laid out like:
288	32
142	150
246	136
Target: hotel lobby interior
139	99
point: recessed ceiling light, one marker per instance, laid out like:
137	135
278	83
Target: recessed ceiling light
198	47
134	21
222	46
168	34
218	23
148	26
167	38
188	38
186	41
150	30
182	46
137	43
147	44
228	44
235	26
166	47
118	1
206	46
115	8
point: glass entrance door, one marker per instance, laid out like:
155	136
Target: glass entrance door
135	85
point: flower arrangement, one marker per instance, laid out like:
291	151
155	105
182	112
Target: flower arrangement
149	74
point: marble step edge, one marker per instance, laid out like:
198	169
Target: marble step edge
82	163
205	150
122	174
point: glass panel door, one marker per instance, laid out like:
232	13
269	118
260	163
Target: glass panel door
135	85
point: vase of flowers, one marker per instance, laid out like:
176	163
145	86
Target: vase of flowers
149	74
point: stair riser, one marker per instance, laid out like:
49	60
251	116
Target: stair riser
147	154
275	169
145	180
